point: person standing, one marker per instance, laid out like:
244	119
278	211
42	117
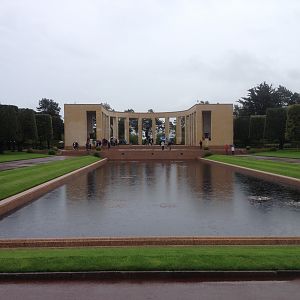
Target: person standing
232	149
226	149
162	145
201	144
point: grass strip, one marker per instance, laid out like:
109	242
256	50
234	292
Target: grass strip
281	153
275	167
12	156
151	258
21	179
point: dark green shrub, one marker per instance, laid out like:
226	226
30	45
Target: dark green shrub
97	154
44	126
206	148
241	131
206	154
248	148
276	125
52	152
29	150
293	123
257	129
98	149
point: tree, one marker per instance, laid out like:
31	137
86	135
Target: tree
48	106
130	110
257	129
293	123
27	127
150	110
8	125
58	127
44	126
241	130
276	125
285	97
106	106
258	100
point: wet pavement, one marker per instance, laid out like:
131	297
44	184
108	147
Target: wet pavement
29	162
246	290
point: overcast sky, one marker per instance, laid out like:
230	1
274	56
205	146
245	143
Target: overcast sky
163	55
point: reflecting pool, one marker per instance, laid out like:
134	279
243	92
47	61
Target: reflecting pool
159	199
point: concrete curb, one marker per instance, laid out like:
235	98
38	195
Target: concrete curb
285	180
146	241
14	202
157	275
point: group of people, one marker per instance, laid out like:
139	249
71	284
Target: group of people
227	148
169	144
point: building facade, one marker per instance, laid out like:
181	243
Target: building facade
211	123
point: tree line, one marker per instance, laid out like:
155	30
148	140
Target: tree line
25	128
267	115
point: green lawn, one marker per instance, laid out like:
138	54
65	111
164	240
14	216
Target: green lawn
151	258
18	180
11	156
281	168
281	153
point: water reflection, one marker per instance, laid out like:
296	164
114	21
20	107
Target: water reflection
165	198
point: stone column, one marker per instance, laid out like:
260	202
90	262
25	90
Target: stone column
140	131
167	127
192	129
99	132
108	128
126	129
178	130
186	129
115	127
154	130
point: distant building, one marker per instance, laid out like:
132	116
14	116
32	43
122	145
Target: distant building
210	122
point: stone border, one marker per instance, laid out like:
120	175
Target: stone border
14	202
281	179
145	241
177	276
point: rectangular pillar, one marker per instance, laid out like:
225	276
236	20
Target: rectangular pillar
126	129
99	132
116	127
178	130
154	130
140	129
167	127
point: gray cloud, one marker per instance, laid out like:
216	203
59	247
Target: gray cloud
163	55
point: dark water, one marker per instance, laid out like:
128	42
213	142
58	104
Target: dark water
159	198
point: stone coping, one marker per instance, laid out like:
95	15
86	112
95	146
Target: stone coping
166	276
146	241
14	202
281	179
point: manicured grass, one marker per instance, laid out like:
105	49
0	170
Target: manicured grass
281	168
281	153
151	258
21	179
11	156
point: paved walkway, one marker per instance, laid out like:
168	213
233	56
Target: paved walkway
273	158
246	290
28	162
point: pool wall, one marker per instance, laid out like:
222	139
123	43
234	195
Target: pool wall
14	202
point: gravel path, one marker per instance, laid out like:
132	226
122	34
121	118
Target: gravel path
273	158
29	162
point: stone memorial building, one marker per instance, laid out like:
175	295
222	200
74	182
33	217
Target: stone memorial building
211	123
